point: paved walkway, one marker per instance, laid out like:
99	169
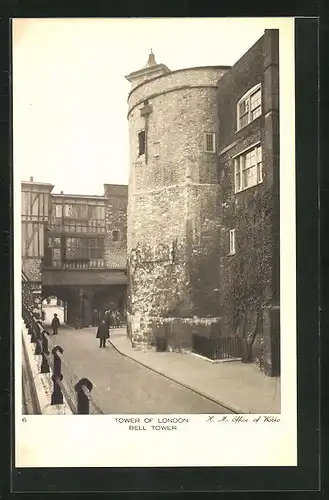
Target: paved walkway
233	385
120	384
239	386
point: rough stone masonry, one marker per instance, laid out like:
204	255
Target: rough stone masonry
173	220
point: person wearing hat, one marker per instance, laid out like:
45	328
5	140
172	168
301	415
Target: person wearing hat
55	324
103	333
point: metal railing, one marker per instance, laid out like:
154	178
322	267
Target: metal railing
80	264
217	348
114	262
79	399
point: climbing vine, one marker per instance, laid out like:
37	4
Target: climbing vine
248	271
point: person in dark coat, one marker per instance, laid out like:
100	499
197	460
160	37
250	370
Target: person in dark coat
55	324
103	333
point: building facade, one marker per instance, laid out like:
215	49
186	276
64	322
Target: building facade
74	247
248	104
190	201
35	203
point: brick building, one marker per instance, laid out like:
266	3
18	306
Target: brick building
248	101
203	204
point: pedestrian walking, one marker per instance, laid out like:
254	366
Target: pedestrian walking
103	333
55	324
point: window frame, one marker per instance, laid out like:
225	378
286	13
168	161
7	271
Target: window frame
258	165
206	134
231	242
156	146
68	210
80	248
142	131
58	210
117	232
247	97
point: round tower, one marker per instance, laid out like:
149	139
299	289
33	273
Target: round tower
173	223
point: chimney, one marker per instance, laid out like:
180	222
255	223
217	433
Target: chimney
31	179
62	192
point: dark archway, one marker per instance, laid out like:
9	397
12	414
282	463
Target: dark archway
52	304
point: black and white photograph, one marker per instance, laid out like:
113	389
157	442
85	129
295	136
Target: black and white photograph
155	227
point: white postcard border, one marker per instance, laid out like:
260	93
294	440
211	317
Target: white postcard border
99	441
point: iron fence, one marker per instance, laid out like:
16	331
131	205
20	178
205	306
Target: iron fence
217	348
77	392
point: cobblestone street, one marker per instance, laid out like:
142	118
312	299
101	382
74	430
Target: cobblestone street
121	385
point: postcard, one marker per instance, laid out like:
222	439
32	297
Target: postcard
155	269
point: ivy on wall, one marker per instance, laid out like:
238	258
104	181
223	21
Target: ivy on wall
247	274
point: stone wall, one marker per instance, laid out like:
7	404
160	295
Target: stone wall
188	77
173	227
32	289
32	268
115	244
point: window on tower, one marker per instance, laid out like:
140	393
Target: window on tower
141	143
115	235
157	149
209	142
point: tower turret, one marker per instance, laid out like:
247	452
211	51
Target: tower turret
173	231
150	70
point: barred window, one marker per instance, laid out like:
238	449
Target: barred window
209	142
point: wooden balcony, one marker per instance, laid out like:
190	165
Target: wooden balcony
117	262
81	264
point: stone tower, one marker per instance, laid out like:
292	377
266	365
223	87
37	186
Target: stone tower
173	222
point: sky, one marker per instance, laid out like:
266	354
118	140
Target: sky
70	96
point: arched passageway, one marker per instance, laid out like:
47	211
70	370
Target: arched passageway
109	299
84	306
53	305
